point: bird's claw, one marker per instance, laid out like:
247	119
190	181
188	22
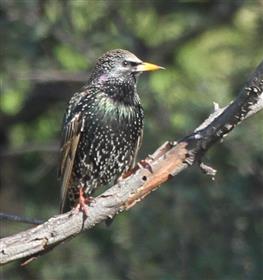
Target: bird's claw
145	164
84	202
126	174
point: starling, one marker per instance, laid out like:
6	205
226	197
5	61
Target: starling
102	128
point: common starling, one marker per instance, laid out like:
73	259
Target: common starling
102	128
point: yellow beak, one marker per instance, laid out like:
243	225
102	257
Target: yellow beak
145	66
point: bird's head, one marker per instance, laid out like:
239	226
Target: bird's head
121	65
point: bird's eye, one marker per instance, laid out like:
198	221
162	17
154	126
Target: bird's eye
125	63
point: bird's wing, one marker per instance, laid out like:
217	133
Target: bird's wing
70	139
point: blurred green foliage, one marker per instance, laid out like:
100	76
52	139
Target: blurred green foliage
191	228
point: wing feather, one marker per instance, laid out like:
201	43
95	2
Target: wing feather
69	145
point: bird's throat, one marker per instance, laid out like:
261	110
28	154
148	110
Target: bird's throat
122	91
118	99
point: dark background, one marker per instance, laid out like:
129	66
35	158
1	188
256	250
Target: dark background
192	227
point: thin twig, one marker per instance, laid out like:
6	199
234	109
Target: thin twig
20	219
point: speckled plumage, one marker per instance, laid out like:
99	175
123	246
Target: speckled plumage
102	128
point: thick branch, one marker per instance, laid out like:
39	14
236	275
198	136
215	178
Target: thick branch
169	160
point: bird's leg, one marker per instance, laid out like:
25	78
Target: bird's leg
84	202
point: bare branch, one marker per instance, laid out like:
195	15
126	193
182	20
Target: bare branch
53	76
20	219
51	147
169	160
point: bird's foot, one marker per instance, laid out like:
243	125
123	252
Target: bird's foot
141	164
126	174
84	202
145	164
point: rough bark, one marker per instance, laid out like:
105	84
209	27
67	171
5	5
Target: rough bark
166	162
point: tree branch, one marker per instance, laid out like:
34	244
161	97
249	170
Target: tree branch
168	160
19	219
